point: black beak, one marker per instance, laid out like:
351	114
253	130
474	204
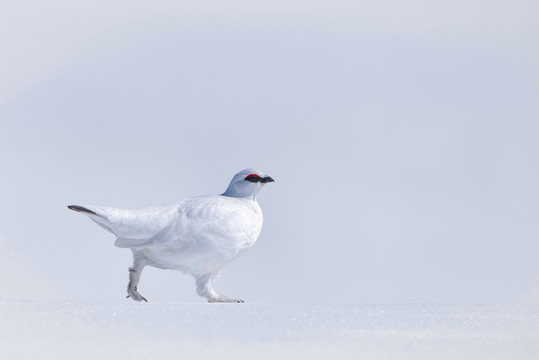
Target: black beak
266	179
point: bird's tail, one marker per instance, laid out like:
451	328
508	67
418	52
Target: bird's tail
96	213
82	209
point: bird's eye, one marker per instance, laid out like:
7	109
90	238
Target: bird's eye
253	178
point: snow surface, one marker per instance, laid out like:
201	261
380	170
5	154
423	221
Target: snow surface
128	330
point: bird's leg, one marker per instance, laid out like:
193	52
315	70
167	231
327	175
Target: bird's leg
205	289
134	277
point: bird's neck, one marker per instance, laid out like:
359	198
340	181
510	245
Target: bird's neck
239	192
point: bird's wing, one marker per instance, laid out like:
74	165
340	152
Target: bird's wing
211	219
135	227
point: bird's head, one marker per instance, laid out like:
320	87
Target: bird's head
247	183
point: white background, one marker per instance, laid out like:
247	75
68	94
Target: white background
402	138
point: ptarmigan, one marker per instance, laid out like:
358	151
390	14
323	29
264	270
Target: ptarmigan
197	236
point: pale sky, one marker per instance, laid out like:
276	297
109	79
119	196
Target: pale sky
403	139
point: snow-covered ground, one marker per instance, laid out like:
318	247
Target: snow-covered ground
128	330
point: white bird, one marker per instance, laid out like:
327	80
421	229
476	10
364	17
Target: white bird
197	236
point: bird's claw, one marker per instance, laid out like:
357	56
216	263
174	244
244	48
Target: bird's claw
133	293
142	298
226	300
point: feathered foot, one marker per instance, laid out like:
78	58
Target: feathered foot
224	299
204	289
134	277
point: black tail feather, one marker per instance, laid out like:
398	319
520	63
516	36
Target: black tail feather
78	208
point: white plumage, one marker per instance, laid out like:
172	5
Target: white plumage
197	236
